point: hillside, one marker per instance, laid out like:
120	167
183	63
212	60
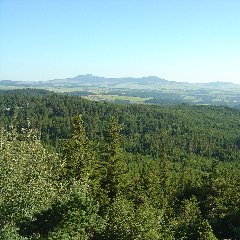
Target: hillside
145	90
96	170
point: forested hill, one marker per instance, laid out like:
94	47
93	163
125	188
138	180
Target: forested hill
151	130
117	171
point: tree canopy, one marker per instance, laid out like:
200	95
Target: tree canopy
75	169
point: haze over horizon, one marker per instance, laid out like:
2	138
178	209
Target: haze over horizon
91	75
183	41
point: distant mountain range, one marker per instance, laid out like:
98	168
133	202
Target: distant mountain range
89	78
145	90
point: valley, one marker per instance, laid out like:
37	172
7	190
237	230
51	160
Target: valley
145	90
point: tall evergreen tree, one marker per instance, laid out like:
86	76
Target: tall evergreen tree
113	168
78	154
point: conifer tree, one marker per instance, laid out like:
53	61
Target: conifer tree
113	169
78	155
205	231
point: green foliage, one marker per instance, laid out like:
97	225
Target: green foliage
150	173
112	167
189	219
205	231
78	153
27	183
144	222
75	218
209	131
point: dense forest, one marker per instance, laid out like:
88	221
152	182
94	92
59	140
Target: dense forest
78	169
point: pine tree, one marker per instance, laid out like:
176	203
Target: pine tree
112	167
78	154
205	231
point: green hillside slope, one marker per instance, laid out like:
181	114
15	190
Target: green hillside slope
78	169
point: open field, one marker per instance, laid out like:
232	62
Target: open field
117	98
150	90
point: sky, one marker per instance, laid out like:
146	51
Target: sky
177	40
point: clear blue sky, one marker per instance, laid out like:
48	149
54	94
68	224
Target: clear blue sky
178	40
